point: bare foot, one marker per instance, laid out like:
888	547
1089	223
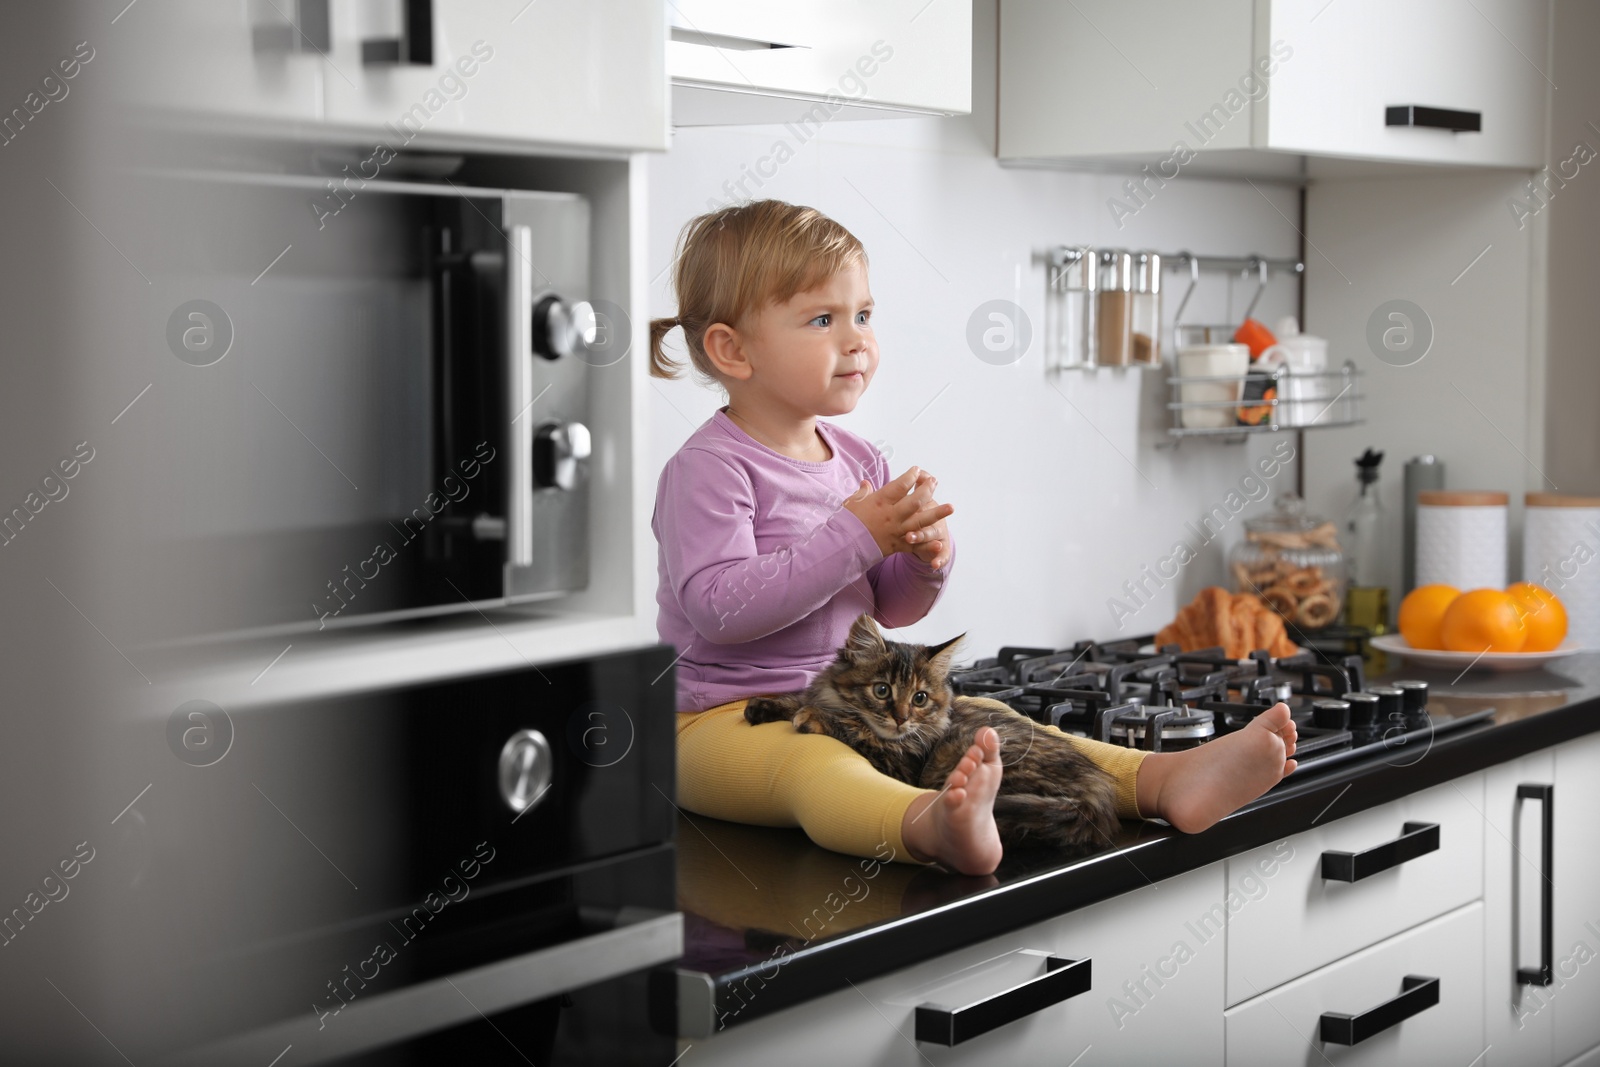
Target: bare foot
955	826
1195	788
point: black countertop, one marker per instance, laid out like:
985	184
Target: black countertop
753	897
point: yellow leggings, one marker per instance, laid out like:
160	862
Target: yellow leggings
771	775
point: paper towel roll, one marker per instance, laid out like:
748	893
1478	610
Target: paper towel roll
1461	539
1561	551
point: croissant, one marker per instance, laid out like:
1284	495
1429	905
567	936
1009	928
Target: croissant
1239	622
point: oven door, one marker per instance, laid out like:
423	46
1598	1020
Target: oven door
360	870
399	418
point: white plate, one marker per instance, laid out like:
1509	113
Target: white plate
1487	661
1150	650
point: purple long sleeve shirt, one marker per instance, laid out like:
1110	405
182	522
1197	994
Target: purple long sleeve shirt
762	569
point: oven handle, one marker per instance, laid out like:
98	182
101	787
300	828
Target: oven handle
367	1023
519	391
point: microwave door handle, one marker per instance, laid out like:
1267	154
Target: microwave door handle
520	398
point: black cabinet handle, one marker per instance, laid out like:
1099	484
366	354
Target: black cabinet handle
1063	979
1540	975
1433	118
415	43
1417	995
1418	839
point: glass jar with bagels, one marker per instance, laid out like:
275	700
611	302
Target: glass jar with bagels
1293	562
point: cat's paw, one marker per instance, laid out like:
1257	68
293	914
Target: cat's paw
806	721
758	710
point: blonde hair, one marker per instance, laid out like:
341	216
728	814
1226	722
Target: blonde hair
734	261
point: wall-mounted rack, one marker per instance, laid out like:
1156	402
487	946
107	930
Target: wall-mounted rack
1080	280
1214	406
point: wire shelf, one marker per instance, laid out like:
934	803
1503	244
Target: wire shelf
1221	407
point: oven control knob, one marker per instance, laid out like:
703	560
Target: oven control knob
560	455
525	768
560	329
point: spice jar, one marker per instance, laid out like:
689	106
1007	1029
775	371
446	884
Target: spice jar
1070	308
1115	333
1146	311
1293	562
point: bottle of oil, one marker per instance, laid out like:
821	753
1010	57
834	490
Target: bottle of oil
1367	604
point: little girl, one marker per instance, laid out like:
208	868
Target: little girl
777	530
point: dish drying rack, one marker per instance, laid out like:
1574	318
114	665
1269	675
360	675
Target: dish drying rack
1314	399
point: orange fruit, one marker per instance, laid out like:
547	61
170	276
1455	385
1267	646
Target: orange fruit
1421	612
1484	620
1543	616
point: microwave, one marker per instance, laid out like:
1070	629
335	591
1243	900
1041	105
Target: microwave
406	389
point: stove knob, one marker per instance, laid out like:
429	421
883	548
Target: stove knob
1391	705
525	770
1414	698
1331	714
560	455
560	329
1363	716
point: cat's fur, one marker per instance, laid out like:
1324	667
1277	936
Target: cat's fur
1051	794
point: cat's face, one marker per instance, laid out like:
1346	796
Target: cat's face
899	690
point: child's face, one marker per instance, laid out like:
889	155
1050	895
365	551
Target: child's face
815	352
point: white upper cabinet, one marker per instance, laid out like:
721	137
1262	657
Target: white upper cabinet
469	73
222	60
1258	86
742	61
1484	62
588	75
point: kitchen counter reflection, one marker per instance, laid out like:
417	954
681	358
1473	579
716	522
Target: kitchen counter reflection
752	896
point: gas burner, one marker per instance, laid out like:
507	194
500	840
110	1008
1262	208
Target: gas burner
1162	729
1163	699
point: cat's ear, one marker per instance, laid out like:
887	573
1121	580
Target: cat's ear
941	654
864	637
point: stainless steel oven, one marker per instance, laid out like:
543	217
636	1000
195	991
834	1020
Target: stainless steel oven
408	389
375	875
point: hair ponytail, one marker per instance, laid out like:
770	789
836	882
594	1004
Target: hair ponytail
660	365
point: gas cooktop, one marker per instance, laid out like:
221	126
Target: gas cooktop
1166	700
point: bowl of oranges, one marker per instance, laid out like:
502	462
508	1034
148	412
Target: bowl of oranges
1517	628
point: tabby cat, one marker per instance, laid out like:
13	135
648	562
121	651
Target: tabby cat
892	702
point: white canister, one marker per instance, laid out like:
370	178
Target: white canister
1229	362
1561	551
1303	393
1461	539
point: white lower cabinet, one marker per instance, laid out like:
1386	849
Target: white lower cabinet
1517	1016
1297	920
1416	998
1588	1059
1155	995
1574	990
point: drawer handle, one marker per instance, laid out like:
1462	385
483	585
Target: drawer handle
415	43
1541	975
1434	118
1418	839
1063	979
1417	995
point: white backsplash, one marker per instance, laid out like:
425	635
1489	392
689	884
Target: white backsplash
1061	494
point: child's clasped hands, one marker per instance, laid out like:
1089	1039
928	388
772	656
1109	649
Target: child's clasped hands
904	517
